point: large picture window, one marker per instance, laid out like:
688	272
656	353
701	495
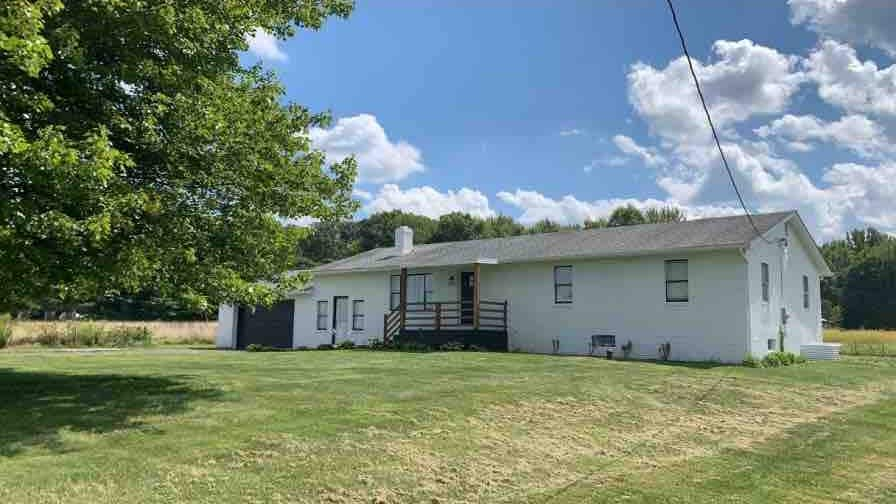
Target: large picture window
562	284
677	281
419	290
323	308
358	315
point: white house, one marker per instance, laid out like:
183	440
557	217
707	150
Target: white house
713	289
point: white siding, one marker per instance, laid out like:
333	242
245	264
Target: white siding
225	337
804	325
626	298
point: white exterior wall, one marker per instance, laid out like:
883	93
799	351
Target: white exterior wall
225	336
803	325
373	288
626	297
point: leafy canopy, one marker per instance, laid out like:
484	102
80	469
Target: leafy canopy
137	153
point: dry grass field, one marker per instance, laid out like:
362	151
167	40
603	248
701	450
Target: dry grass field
166	333
863	342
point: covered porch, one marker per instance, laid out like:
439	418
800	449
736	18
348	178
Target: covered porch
467	318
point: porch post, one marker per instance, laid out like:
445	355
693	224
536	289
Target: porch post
476	269
403	296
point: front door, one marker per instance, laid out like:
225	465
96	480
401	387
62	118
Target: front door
466	297
340	319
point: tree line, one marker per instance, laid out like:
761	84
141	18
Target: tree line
862	292
329	241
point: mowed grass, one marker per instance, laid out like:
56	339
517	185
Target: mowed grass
163	332
863	342
180	425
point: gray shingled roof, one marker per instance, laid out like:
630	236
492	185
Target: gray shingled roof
644	239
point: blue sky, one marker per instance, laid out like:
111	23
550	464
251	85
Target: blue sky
565	109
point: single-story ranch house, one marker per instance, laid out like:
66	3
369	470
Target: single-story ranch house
710	289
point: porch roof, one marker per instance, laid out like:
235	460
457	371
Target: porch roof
646	239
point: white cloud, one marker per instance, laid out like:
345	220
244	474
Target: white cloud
648	155
845	81
570	210
746	79
429	201
572	132
379	159
264	45
853	132
362	194
866	191
871	22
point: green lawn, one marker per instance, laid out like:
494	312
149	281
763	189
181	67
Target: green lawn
179	425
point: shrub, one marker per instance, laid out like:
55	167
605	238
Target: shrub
451	346
325	346
346	345
477	348
774	359
5	331
750	361
627	349
254	347
665	350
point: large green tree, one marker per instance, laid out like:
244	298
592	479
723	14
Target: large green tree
136	152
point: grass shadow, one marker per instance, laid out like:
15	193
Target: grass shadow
691	365
36	406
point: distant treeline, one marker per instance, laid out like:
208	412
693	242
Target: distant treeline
330	241
862	292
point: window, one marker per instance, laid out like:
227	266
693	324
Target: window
394	291
805	292
358	315
765	282
771	344
603	340
322	310
677	281
419	290
562	284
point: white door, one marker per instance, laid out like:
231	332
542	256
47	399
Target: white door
340	318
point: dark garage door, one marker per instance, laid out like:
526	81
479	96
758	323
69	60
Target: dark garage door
267	327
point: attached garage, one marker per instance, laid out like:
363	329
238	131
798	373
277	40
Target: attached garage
270	327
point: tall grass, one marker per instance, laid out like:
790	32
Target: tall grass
863	342
110	333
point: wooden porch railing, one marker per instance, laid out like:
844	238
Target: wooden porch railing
445	315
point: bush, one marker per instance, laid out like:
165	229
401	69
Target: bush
665	350
627	349
83	334
254	347
325	346
774	359
451	346
346	345
5	331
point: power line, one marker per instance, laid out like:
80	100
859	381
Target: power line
684	47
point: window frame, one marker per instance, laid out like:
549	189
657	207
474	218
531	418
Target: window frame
805	292
686	281
558	284
427	289
356	316
765	281
326	313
